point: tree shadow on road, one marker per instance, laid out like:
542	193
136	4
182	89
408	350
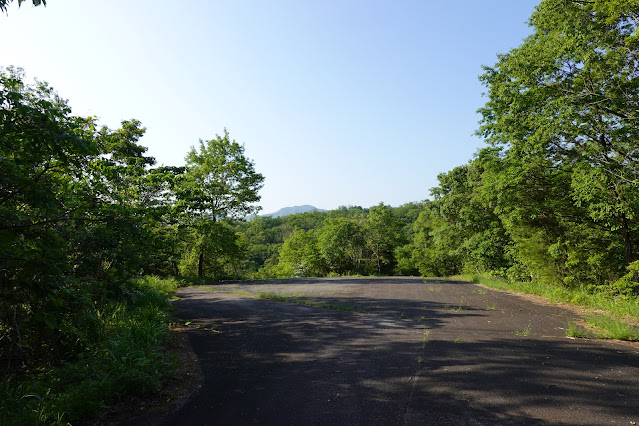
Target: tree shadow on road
276	363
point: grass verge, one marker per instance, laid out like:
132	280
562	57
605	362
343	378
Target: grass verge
126	357
605	327
619	321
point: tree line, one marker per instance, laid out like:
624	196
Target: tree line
347	241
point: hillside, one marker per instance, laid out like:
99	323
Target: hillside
286	211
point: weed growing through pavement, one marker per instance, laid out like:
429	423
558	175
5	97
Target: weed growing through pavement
425	338
373	307
238	292
525	332
490	307
420	358
461	305
458	339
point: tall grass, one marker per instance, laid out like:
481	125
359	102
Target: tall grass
126	357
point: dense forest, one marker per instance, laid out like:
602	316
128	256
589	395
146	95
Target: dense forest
552	198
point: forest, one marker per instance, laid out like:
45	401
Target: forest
89	222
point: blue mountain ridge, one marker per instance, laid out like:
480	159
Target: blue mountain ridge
286	211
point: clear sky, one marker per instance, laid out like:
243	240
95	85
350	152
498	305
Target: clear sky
337	102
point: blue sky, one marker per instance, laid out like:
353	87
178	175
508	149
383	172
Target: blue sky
337	102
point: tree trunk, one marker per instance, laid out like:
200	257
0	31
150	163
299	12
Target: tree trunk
200	266
627	242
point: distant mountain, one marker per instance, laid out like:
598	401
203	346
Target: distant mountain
294	210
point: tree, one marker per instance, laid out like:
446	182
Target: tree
343	245
5	3
78	216
383	235
300	256
562	110
219	183
45	156
223	249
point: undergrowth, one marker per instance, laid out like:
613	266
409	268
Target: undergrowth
126	356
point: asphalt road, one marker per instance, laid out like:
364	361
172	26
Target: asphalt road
410	353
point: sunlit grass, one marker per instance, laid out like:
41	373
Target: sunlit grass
605	327
575	330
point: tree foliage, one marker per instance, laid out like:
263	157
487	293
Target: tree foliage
5	3
83	210
562	112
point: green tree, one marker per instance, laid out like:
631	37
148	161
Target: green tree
220	182
343	245
383	236
300	256
45	156
77	218
5	3
223	247
562	110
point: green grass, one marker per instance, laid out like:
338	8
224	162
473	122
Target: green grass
126	356
305	302
525	332
574	330
606	327
425	338
622	313
420	357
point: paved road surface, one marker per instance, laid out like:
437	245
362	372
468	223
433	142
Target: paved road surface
417	353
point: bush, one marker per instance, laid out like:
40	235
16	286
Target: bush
123	354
